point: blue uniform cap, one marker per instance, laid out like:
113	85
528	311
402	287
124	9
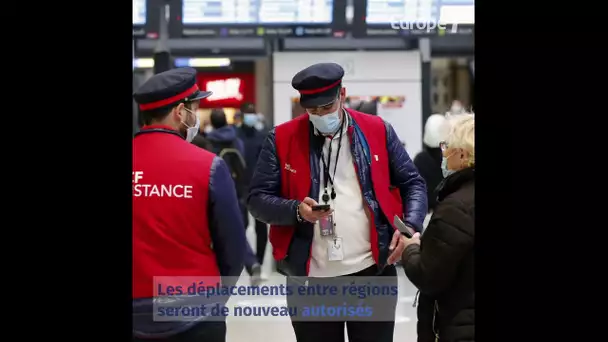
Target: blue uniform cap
169	88
318	84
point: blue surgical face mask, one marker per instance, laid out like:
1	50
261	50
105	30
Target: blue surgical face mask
250	119
327	123
444	168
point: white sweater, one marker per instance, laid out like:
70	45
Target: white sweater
352	222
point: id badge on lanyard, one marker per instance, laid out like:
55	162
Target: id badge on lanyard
326	225
335	250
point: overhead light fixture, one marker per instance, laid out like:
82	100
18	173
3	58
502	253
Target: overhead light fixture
202	62
143	63
148	63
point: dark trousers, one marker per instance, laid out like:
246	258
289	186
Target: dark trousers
205	331
358	331
250	257
261	235
261	239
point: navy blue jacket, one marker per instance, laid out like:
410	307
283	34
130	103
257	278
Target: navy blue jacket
225	135
253	140
229	245
266	204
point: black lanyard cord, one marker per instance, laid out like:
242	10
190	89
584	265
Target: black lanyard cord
327	167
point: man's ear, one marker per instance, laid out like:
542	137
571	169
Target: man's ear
178	112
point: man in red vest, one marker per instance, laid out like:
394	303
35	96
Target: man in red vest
187	226
330	183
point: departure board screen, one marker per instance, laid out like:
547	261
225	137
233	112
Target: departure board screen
139	12
407	18
257	12
457	12
438	11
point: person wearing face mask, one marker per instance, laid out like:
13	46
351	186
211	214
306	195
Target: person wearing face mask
246	107
226	143
200	140
252	140
428	161
186	219
261	123
456	108
207	128
441	264
223	135
323	182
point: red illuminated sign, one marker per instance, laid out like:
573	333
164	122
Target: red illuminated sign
229	89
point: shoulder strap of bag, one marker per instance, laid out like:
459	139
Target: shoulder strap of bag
232	150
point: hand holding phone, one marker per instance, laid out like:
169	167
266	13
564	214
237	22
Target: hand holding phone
311	211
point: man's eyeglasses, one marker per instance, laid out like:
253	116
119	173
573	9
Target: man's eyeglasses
322	108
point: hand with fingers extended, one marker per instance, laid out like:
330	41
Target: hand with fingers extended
310	215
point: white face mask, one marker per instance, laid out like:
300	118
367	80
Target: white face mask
456	109
191	132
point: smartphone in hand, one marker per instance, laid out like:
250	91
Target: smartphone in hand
400	225
320	207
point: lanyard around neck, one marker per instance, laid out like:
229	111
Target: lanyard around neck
327	166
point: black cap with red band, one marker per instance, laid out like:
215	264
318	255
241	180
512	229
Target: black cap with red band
318	84
169	88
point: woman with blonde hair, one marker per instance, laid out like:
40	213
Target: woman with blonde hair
441	263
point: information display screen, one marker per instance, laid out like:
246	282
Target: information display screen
442	11
261	17
204	12
139	12
418	17
457	12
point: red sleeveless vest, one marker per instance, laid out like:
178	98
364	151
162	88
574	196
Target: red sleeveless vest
171	237
293	152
